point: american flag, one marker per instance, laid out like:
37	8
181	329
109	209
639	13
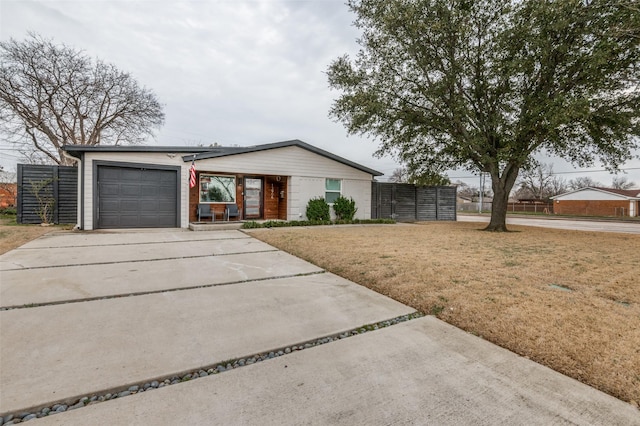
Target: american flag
192	175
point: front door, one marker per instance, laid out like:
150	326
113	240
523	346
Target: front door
252	198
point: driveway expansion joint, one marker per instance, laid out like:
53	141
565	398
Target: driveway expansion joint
71	265
135	244
144	293
73	403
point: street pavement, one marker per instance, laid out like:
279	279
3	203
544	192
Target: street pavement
562	223
92	313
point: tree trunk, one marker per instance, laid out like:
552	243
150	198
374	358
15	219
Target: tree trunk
498	221
501	186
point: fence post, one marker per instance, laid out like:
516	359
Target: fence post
415	202
19	198
55	178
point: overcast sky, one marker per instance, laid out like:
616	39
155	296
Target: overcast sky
228	72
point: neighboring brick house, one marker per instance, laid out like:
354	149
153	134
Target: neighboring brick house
594	201
8	193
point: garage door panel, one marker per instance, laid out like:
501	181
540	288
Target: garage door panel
130	174
164	206
137	197
109	173
130	190
129	221
152	175
129	206
109	188
166	179
110	221
165	191
152	207
165	222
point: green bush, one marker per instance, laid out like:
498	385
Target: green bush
8	211
344	208
318	210
251	225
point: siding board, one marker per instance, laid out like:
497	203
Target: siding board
426	201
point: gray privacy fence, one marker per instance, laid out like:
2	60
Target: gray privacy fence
406	202
50	188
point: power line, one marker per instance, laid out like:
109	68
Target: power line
557	173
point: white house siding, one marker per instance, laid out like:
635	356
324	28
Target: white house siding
287	161
150	158
361	193
307	188
306	170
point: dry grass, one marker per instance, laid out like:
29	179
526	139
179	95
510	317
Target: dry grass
566	299
12	235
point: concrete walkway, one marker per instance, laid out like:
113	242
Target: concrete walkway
90	313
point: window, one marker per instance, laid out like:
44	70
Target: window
333	190
217	189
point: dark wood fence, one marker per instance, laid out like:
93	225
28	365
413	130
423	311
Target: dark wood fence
406	203
531	207
56	183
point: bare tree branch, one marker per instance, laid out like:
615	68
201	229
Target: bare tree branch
53	95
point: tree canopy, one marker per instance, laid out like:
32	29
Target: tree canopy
407	175
486	84
53	95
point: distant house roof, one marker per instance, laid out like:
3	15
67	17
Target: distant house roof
200	153
632	194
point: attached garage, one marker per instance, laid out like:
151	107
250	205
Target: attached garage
136	196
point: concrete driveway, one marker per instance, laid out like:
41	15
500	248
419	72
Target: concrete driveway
219	328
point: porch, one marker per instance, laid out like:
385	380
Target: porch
257	197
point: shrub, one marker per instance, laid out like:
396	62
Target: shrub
8	211
345	209
318	210
251	225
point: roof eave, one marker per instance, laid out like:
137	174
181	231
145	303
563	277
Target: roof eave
77	150
284	144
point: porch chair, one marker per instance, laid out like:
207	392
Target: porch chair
204	211
231	210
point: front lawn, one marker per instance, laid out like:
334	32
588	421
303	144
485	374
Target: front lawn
13	235
566	299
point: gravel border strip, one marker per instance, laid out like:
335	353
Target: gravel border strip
141	260
144	293
217	368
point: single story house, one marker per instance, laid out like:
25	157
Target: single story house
595	201
149	186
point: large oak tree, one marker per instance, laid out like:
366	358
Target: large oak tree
53	95
486	84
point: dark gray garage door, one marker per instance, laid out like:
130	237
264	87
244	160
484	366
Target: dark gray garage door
136	197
